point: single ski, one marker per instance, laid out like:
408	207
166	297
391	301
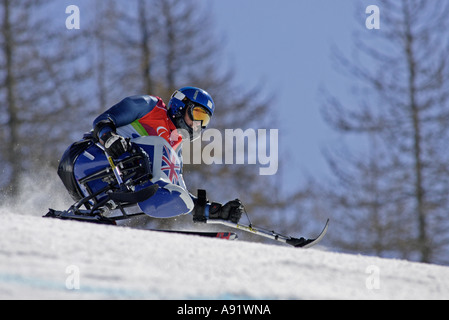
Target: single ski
88	216
81	216
295	242
208	234
99	219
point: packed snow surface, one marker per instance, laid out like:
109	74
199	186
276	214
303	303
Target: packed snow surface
53	259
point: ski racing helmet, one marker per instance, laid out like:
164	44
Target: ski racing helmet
197	103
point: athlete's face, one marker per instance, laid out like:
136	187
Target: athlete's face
195	125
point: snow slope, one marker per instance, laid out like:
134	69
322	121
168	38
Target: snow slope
53	259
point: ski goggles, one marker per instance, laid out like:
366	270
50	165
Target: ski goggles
198	113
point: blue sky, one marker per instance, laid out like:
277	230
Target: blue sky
286	46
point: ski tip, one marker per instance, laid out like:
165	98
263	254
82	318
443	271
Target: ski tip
308	243
319	238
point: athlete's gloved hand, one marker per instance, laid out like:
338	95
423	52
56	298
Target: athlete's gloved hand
114	144
232	211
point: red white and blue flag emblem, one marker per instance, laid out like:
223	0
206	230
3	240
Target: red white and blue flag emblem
169	165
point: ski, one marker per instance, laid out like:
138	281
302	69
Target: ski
208	234
295	242
88	216
81	216
84	216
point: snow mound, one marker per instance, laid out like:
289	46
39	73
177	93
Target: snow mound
53	259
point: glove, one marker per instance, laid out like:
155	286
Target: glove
232	211
114	144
